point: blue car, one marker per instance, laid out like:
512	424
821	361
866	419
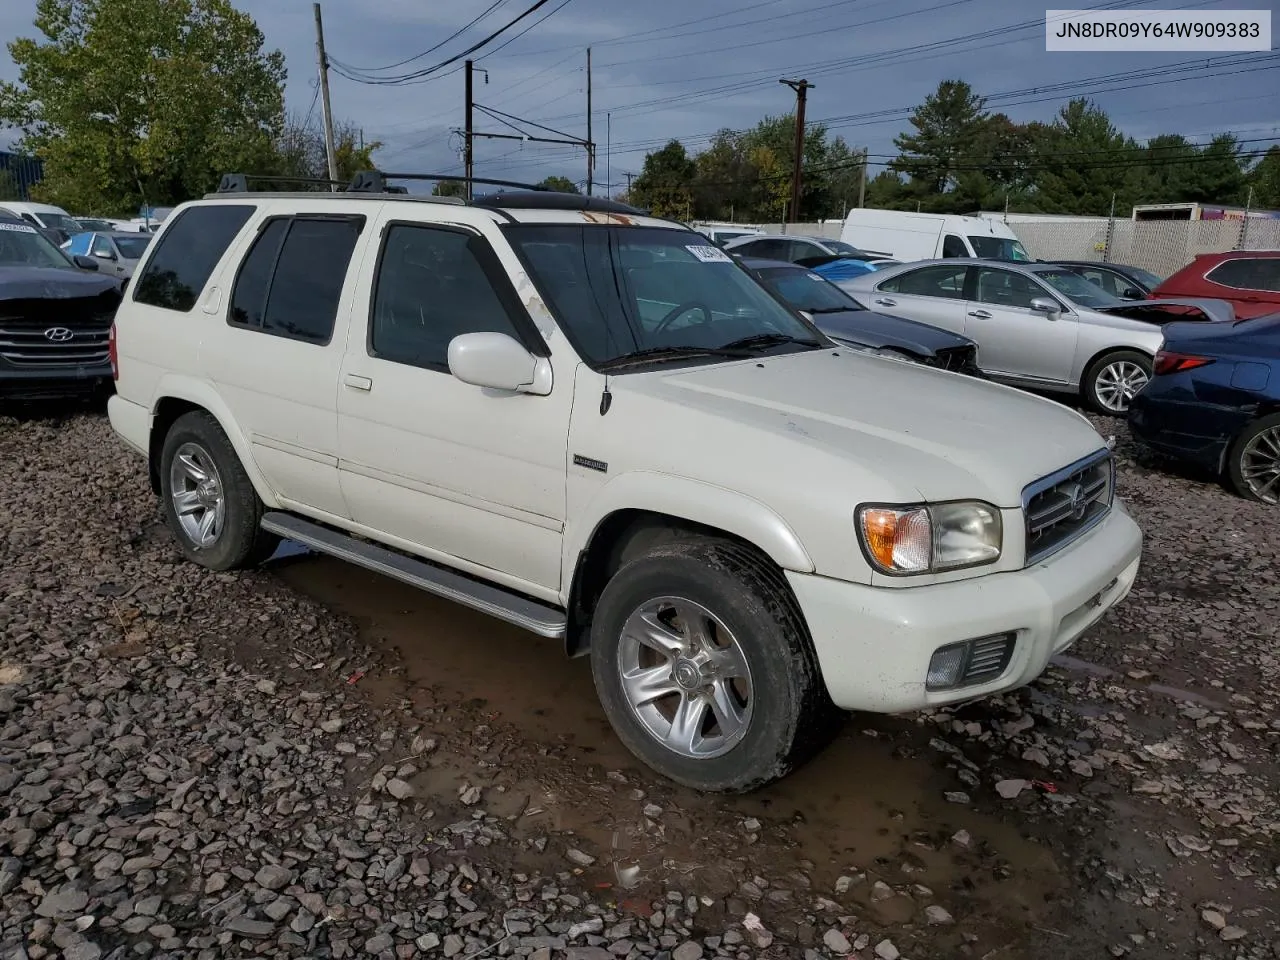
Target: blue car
1214	400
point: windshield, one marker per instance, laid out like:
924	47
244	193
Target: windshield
805	290
1146	277
839	246
998	248
1077	289
59	221
89	224
132	247
620	290
24	246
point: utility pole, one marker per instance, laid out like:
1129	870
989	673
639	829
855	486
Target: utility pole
466	136
591	147
608	150
330	153
801	87
862	179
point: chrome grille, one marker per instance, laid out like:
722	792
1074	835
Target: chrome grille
56	332
1064	505
988	658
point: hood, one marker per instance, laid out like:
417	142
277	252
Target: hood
906	431
882	330
52	283
1154	311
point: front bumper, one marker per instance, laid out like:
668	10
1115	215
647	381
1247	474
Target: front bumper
53	382
874	643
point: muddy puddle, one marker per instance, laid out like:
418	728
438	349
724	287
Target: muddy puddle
524	727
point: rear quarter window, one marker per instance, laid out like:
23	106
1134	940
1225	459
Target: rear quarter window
1248	273
186	255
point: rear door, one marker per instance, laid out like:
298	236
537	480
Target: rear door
1014	340
932	294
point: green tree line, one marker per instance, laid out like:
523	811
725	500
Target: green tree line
957	156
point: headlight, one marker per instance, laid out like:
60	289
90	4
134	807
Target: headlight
930	539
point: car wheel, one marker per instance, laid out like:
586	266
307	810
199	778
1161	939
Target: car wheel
703	665
1253	463
208	498
1114	379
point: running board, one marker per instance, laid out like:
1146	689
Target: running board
532	615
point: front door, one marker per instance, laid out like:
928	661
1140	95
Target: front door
1014	340
454	472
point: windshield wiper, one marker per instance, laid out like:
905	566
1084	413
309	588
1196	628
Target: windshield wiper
658	354
819	310
762	341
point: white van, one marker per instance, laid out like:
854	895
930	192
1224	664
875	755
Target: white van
722	233
42	215
930	236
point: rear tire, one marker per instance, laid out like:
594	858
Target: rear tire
1253	462
209	501
734	700
1113	380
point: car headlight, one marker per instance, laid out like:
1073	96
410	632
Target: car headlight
904	540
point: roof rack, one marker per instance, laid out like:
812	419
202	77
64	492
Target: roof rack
375	181
549	200
239	182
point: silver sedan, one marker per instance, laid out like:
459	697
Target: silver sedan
1036	325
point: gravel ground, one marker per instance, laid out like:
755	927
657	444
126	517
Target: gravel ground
309	761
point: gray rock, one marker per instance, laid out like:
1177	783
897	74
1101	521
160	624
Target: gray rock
587	953
885	950
837	942
429	941
376	944
592	925
303	921
687	951
10	872
399	789
937	915
63	902
580	858
78	948
273	876
147	906
242	926
452	945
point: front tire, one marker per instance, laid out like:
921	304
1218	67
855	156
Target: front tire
1114	379
704	668
1253	463
209	501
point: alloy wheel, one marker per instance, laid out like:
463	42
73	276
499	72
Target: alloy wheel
1118	383
195	490
1260	465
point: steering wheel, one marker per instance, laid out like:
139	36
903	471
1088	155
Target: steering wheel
680	310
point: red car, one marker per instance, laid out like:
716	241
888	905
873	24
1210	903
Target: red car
1248	279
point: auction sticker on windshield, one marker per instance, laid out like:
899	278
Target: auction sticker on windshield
709	254
17	227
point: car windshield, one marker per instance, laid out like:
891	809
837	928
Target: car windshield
133	246
24	246
620	292
91	224
1148	279
1077	289
805	290
60	221
999	248
839	246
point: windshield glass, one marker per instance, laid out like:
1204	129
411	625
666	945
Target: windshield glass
59	221
620	290
1077	289
805	290
1148	278
24	246
131	247
89	224
998	248
839	246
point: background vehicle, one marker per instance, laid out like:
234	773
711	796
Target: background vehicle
792	249
1248	279
1214	400
43	215
633	447
926	236
1036	325
722	233
99	224
54	318
845	320
1122	282
118	252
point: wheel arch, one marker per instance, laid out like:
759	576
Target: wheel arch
176	397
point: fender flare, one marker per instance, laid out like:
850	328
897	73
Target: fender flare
691	500
203	395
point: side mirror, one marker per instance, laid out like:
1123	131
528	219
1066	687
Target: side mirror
1045	305
1132	293
85	263
109	255
496	361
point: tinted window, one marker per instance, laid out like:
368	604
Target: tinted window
1003	288
929	282
805	290
953	246
292	279
1248	273
430	288
765	249
189	250
998	248
133	247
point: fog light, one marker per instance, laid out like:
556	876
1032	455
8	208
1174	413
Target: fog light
945	666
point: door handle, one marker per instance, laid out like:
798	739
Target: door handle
356	382
886	302
980	314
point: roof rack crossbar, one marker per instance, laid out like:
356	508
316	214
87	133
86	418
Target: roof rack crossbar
239	182
375	181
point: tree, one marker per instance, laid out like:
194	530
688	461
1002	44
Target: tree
143	101
1265	180
946	126
664	186
559	184
449	188
1084	162
9	186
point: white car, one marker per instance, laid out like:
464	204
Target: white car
597	425
793	249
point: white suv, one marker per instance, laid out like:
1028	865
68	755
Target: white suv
596	425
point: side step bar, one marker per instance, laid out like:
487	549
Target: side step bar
532	615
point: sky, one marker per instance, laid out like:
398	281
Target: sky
666	69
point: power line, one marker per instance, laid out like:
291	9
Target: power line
418	56
544	19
